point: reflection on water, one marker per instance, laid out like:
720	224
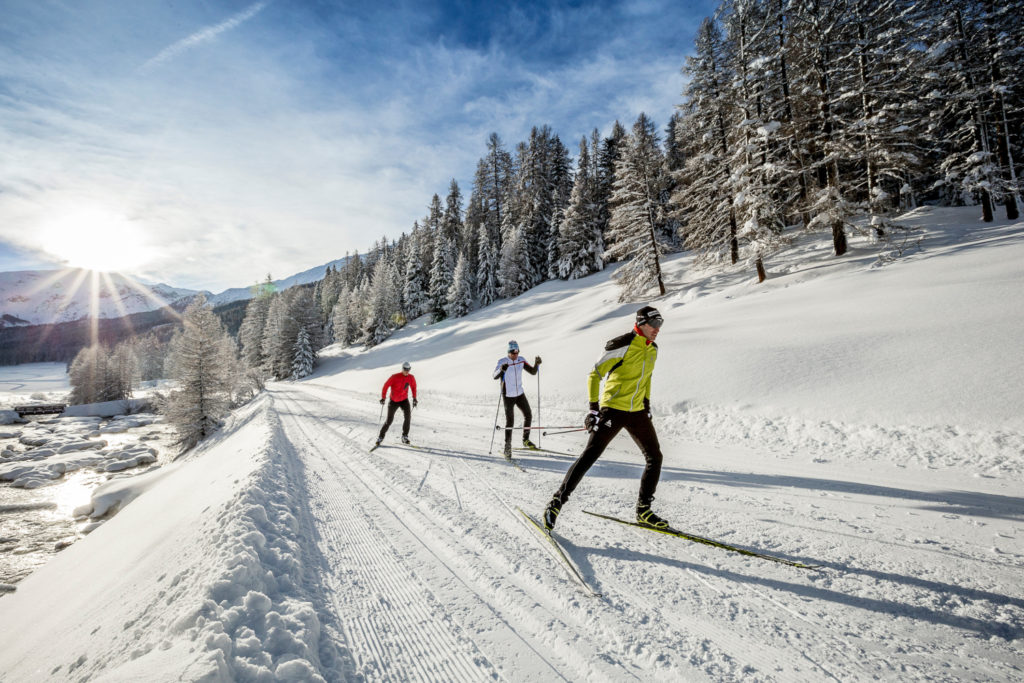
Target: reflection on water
36	523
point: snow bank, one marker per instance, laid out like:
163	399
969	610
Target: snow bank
107	408
202	577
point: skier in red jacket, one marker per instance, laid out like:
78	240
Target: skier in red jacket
400	383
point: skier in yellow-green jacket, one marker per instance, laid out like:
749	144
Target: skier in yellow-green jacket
625	403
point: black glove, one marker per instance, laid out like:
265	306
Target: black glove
504	367
536	361
382	401
647	407
415	403
591	421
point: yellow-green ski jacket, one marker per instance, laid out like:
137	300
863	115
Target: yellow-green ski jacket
628	362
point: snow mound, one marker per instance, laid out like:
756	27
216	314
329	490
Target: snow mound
203	577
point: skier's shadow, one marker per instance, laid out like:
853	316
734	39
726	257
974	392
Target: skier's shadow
582	554
968	503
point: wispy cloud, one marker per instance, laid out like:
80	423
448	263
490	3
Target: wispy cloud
204	35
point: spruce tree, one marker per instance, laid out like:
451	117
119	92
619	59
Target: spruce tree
580	242
460	296
633	230
302	360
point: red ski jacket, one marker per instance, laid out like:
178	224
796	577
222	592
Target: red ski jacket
400	385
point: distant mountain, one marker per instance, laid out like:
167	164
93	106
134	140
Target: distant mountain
303	278
38	297
42	297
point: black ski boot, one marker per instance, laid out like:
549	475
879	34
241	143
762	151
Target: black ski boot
551	513
507	450
645	517
406	441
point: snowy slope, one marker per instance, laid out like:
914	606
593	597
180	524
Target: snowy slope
55	296
858	416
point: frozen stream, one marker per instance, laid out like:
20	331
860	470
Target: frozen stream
49	468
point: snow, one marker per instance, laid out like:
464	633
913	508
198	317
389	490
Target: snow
858	413
55	296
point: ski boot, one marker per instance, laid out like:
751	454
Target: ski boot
406	441
645	517
529	445
507	451
377	442
551	513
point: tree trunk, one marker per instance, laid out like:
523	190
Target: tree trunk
761	275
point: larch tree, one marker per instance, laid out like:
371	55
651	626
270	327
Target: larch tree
204	362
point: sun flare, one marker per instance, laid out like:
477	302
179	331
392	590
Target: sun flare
96	239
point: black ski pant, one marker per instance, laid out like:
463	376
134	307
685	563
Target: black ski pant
611	422
510	404
393	407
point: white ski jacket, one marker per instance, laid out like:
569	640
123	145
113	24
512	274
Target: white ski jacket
512	381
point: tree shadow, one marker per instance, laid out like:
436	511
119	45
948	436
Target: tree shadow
582	554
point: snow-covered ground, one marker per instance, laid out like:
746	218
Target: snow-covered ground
858	415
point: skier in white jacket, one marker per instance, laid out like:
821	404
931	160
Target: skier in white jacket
510	371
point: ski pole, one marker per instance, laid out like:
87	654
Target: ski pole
380	419
578	429
539	418
499	427
496	410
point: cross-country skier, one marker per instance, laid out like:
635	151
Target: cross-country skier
400	383
626	368
510	371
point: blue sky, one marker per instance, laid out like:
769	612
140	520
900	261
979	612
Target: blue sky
205	144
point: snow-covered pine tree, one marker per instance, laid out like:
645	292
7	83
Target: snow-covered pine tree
580	242
358	310
633	229
302	360
441	273
416	280
460	296
704	192
488	285
250	334
151	353
758	173
340	318
204	363
493	181
475	217
451	219
279	335
516	277
821	36
961	75
382	305
606	154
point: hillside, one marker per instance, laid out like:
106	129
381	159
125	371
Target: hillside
857	414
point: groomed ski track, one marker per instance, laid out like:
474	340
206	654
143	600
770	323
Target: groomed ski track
431	573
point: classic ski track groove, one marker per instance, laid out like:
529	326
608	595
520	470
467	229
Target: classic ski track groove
411	639
574	654
736	649
623	594
730	608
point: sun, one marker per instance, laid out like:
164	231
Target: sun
95	238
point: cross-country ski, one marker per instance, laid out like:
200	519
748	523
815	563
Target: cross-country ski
706	541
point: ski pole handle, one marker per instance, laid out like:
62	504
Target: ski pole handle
567	431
